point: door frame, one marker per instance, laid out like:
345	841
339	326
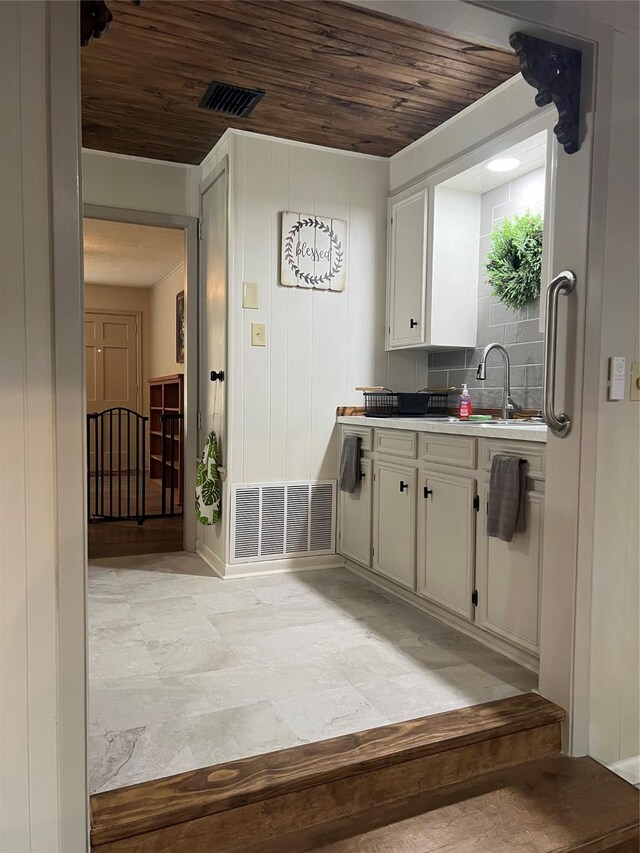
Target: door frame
121	312
189	225
217	559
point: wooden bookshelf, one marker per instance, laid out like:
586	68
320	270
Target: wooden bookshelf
166	397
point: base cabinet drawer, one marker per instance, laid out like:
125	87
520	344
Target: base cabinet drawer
354	518
446	540
365	434
509	575
396	442
394	522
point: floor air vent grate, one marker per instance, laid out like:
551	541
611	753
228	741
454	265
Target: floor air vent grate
278	520
230	100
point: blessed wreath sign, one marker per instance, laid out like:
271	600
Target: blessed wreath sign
313	251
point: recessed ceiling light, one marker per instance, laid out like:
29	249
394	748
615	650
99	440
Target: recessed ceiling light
503	164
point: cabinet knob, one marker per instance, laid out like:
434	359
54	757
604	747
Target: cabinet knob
427	491
217	376
413	323
404	486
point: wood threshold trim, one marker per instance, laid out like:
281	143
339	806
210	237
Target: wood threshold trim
153	805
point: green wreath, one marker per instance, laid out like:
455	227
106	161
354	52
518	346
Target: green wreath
514	262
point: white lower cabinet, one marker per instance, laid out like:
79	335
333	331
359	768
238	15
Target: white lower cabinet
394	522
508	575
414	521
354	521
446	540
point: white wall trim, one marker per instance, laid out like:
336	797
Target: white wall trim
167	274
117	156
232	131
628	768
451	122
227	571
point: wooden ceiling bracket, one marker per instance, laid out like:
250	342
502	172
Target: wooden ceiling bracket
95	19
554	70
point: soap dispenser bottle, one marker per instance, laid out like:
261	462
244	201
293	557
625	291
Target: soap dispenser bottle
464	404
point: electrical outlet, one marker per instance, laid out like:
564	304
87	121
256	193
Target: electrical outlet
250	294
258	335
634	393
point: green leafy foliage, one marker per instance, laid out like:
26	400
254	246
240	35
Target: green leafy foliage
514	262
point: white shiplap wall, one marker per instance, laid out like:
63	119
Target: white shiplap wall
615	605
135	183
320	345
42	551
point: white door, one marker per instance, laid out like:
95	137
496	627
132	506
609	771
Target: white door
213	337
354	536
446	540
509	575
111	358
394	522
407	269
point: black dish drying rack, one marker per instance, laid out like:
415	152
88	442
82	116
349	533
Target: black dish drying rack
383	403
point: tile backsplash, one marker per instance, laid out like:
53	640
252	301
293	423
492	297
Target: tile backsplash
516	330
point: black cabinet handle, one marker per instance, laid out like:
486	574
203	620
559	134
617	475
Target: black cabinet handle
362	475
427	491
217	376
413	323
403	486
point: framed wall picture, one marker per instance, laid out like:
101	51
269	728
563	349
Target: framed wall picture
314	252
180	327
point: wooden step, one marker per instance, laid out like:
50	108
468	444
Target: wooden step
554	805
263	797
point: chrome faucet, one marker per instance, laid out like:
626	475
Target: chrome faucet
509	406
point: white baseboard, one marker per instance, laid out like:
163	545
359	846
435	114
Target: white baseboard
211	559
628	768
268	567
520	656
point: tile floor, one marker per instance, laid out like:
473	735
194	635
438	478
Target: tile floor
187	670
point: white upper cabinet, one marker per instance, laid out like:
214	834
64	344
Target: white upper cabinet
407	269
452	284
432	286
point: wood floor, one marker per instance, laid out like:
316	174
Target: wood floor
128	538
487	779
554	804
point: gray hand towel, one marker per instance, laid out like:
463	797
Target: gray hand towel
507	489
350	464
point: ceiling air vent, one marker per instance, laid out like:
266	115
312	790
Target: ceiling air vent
230	100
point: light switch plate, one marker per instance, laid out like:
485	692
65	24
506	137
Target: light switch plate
258	335
634	393
250	294
617	377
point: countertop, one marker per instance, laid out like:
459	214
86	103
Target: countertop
479	429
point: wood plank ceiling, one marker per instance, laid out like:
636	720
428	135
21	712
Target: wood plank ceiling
334	74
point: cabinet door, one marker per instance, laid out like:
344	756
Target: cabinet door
509	575
407	270
446	540
394	522
354	519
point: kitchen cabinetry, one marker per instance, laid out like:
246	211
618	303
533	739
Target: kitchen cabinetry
419	521
446	540
354	518
432	278
509	574
394	522
407	268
